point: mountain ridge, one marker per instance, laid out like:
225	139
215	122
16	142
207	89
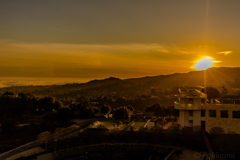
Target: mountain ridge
215	77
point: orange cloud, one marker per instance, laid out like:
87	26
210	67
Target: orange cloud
225	52
95	60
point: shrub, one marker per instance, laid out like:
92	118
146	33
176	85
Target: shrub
196	128
216	130
143	129
122	113
231	132
8	125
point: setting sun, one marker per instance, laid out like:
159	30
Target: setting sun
204	63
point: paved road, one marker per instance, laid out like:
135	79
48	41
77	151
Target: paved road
19	149
32	144
32	151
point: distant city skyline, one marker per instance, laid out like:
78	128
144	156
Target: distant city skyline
126	39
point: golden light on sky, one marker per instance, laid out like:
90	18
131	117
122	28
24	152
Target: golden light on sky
93	39
204	63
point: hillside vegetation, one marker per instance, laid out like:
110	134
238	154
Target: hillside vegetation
215	77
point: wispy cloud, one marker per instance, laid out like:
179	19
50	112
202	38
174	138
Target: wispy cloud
186	52
183	50
225	52
86	48
96	60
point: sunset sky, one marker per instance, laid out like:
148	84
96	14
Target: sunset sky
121	38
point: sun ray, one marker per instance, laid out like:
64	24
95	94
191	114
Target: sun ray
210	73
219	73
194	74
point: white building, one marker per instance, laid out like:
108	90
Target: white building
191	105
195	111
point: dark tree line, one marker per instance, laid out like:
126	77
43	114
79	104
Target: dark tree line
123	112
161	111
23	106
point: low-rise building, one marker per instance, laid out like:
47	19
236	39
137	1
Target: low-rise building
195	110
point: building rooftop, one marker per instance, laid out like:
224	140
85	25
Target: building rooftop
192	92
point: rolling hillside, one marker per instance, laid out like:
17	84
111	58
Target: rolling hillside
136	86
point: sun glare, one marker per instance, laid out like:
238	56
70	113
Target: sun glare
204	63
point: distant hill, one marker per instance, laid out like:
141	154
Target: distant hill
215	77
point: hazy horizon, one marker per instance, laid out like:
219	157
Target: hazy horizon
26	81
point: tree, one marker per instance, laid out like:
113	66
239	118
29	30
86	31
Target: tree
64	114
122	113
10	107
150	109
175	112
8	125
44	137
197	128
46	104
96	110
73	107
106	109
223	90
154	92
216	130
57	130
50	117
212	93
8	93
130	108
57	105
84	111
158	110
169	111
25	96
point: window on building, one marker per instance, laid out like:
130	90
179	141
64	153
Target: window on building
228	101
212	113
190	121
191	100
236	114
237	101
202	113
203	100
224	114
191	113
